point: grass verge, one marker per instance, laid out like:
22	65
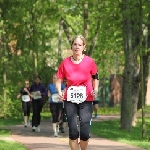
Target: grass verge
7	145
110	130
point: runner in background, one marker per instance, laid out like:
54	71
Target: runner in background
96	104
62	125
38	91
56	106
26	102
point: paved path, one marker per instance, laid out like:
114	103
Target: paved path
46	141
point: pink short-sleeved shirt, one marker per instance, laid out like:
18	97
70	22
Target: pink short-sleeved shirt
78	74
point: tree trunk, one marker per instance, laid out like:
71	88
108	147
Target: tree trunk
60	38
131	79
4	92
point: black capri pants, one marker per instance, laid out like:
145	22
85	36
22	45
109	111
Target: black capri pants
26	106
56	111
84	110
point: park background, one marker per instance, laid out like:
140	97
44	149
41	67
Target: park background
36	35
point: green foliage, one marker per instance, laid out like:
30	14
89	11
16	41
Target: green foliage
12	106
32	27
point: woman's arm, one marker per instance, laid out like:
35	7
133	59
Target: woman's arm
26	90
58	88
49	93
18	96
95	83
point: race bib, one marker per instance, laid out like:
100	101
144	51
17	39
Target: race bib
25	98
36	95
55	97
76	94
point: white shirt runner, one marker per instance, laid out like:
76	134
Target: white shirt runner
25	98
76	94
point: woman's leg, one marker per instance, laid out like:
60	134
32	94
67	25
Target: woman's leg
64	120
35	114
54	118
59	109
71	111
40	106
25	121
74	145
85	114
28	112
24	107
95	108
84	144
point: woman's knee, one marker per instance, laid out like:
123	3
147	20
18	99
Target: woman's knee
73	135
84	136
85	130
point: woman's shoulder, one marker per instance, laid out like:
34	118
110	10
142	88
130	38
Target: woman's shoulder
66	59
51	84
88	58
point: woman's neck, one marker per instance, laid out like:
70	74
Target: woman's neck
77	57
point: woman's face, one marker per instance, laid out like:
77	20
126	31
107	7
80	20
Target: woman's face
26	83
54	78
78	46
37	81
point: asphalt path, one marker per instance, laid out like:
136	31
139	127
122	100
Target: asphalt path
45	139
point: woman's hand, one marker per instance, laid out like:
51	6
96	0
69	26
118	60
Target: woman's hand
18	96
39	93
26	90
94	93
61	96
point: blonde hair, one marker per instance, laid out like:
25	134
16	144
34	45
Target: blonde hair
27	80
82	38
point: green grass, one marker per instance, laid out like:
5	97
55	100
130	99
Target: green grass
14	121
7	145
45	115
4	132
109	110
10	121
117	110
111	130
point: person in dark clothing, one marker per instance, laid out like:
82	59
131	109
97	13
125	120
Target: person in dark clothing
26	102
38	92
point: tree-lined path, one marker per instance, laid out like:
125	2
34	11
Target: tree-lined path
46	141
